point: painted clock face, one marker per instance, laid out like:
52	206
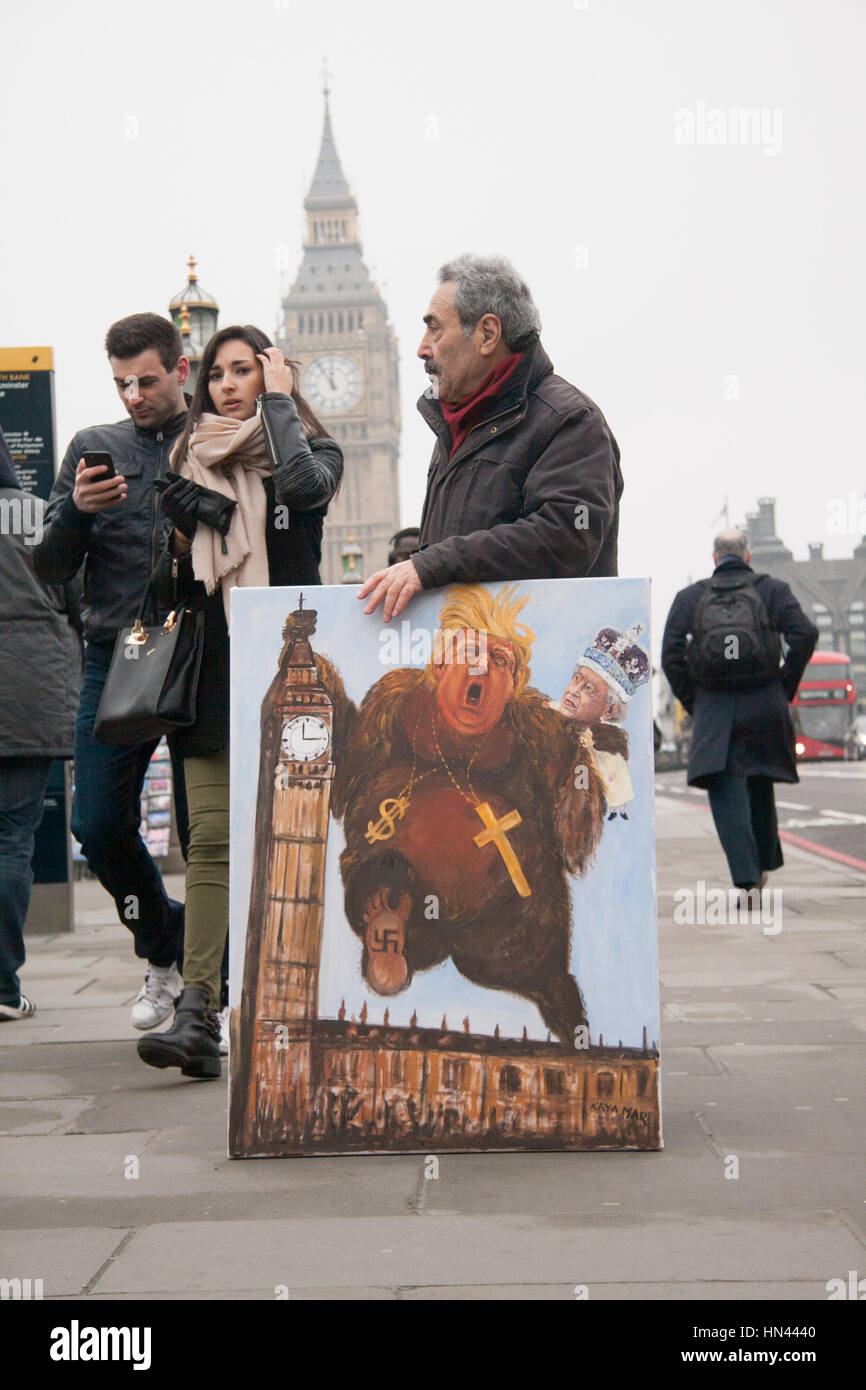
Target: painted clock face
304	738
332	383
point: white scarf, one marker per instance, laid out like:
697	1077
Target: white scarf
231	457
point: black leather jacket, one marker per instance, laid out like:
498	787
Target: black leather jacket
119	546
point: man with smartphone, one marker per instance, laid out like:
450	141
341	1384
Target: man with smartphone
104	513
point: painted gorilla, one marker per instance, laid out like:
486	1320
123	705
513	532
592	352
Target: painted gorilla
463	814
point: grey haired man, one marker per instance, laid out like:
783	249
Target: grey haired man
525	479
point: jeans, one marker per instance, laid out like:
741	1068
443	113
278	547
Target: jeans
744	810
106	815
22	793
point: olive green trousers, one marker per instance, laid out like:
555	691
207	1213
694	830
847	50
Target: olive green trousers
207	872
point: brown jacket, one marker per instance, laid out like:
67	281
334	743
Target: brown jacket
533	491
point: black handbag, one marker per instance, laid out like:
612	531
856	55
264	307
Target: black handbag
153	678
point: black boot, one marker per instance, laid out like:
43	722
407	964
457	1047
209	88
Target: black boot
193	1041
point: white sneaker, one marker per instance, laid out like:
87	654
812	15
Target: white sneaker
155	1000
25	1009
223	1017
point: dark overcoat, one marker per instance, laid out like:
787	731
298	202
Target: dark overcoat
40	641
745	732
531	493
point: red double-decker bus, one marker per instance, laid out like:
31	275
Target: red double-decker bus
823	707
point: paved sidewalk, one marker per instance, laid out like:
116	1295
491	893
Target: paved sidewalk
114	1181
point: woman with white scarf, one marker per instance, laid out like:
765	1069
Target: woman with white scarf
257	463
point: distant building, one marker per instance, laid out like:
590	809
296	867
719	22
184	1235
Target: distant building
335	323
831	592
195	312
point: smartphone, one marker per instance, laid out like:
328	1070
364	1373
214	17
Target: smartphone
93	458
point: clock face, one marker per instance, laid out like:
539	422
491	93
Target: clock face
304	738
332	383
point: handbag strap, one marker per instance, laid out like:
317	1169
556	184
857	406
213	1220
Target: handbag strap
147	595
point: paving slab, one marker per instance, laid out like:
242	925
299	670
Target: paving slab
63	1060
199	1110
58	995
98	1023
250	1295
689	1061
441	1250
704	1290
26	1084
58	1116
69	1165
63	966
784	1057
64	1266
26	1032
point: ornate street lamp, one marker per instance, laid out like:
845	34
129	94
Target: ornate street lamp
351	556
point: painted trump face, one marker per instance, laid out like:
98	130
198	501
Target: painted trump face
585	699
475	678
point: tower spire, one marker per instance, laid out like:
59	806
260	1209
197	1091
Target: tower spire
329	189
334	314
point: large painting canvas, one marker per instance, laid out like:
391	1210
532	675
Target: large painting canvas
443	924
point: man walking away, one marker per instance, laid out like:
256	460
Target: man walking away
721	653
113	526
40	678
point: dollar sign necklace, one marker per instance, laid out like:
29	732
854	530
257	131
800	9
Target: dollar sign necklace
394	808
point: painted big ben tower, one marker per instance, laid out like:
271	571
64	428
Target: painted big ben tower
335	323
277	1017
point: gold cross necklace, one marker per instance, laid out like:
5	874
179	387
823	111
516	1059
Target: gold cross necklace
494	831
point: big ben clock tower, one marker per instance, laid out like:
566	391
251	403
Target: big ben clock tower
275	1023
335	323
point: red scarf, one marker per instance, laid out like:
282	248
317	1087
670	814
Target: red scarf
463	415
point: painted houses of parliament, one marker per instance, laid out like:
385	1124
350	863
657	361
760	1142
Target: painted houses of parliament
335	323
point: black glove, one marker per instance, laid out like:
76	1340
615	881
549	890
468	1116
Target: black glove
185	504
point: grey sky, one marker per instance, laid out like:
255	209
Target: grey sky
709	297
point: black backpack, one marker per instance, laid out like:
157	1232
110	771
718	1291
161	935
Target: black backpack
733	646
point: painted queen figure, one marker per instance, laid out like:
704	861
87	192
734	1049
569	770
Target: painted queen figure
596	699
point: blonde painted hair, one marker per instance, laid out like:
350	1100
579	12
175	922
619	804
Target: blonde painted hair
472	606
